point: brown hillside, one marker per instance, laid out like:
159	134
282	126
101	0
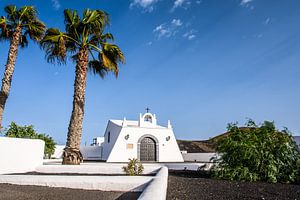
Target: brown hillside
205	146
202	146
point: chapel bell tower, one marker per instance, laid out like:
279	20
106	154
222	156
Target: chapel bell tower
147	120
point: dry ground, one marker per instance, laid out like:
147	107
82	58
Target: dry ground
186	185
182	186
18	192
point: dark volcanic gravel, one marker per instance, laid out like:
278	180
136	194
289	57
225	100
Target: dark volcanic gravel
187	185
20	192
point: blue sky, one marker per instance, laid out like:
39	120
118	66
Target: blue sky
199	63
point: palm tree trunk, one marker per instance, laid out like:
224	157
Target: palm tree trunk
72	153
9	70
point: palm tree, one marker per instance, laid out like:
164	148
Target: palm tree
17	27
86	43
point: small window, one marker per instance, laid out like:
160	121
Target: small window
108	137
94	141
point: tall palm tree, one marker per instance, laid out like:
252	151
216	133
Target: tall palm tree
17	27
86	43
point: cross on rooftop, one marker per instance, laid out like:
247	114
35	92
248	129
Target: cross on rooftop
147	109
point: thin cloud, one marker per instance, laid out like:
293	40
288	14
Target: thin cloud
245	2
180	3
199	2
176	22
146	5
162	31
267	21
190	35
56	4
167	30
149	43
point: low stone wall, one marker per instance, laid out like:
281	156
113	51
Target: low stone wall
58	152
88	152
18	155
198	157
91	152
91	168
157	184
157	188
104	183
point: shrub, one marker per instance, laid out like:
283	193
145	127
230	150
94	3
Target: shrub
28	132
257	153
298	171
134	167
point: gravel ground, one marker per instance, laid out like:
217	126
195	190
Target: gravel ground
188	185
184	185
20	192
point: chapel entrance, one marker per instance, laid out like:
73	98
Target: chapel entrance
148	149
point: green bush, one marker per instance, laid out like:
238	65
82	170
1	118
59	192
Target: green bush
257	153
28	132
134	167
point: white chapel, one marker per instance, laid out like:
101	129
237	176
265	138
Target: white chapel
143	139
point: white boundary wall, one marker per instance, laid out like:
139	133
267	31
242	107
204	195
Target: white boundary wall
198	157
18	155
91	152
151	186
58	152
104	183
88	152
157	188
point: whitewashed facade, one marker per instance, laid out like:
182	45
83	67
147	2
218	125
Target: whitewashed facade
143	139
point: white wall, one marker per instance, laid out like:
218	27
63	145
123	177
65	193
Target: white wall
58	152
198	157
19	155
88	152
114	133
91	152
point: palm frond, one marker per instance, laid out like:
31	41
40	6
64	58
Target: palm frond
97	67
104	16
89	16
94	21
5	31
107	36
27	14
23	41
109	64
12	13
24	18
36	30
54	43
2	20
74	57
84	32
99	39
113	52
72	22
